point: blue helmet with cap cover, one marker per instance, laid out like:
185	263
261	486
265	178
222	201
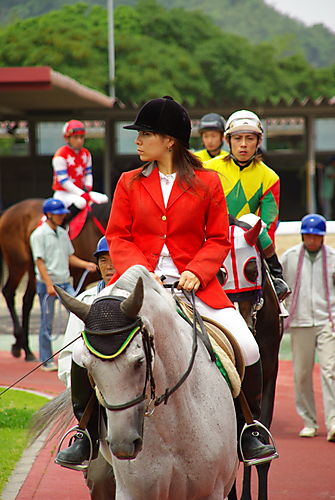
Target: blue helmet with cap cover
102	246
54	206
313	224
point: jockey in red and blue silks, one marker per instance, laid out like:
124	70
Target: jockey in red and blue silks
72	166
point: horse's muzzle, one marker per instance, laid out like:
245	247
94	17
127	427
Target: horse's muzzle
126	450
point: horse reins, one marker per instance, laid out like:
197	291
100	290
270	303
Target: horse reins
148	348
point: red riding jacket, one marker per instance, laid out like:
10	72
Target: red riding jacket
194	226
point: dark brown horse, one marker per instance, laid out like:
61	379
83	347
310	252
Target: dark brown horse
267	327
16	226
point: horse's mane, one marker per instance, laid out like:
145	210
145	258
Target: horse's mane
129	278
101	212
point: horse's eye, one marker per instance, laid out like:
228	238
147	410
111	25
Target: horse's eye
138	363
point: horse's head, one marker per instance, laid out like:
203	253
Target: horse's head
118	357
242	266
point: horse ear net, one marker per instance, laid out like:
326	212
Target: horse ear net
132	305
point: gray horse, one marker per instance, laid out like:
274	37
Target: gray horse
184	449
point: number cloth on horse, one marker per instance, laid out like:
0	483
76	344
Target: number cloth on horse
234	266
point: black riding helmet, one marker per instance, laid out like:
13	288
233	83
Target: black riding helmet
164	116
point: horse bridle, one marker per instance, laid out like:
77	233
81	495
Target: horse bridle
148	346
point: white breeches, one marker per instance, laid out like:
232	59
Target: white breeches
229	317
69	198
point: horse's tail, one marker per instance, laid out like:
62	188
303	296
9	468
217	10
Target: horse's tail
1	255
1	266
56	413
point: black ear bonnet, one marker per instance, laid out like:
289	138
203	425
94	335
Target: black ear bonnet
108	331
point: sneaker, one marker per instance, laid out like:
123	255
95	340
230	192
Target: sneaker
331	434
49	367
310	432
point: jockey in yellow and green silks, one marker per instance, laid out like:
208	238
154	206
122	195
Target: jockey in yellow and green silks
251	186
211	130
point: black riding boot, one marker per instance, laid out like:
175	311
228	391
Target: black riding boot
276	271
79	449
254	445
71	215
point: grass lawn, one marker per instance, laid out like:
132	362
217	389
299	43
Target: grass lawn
16	410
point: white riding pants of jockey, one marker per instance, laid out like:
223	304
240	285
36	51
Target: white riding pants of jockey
229	317
70	198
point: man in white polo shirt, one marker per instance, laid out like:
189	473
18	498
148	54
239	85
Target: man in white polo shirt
52	253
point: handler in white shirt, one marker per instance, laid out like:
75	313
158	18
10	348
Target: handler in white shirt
99	476
309	269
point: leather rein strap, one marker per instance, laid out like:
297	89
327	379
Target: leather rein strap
82	424
204	337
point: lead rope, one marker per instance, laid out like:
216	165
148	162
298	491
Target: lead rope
326	285
296	288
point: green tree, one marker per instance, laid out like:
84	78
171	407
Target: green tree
162	52
252	19
72	40
146	69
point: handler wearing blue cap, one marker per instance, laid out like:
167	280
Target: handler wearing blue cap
309	269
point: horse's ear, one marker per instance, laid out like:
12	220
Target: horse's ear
132	304
73	305
252	234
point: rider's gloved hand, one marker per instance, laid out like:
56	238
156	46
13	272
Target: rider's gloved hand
98	197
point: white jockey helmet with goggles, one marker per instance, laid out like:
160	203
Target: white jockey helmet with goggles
243	121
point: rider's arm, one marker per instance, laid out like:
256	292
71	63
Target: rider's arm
269	208
124	252
61	173
88	174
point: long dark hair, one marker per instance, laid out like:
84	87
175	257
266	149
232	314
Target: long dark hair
185	163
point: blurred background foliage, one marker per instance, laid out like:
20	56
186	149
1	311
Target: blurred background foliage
216	50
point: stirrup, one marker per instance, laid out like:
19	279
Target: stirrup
261	460
283	311
86	464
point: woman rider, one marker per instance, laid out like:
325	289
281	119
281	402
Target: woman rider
164	216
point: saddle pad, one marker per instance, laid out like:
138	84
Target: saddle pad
225	346
77	223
